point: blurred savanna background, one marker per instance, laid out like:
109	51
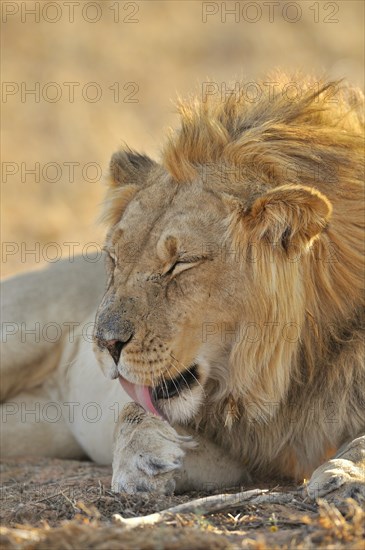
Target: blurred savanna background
81	78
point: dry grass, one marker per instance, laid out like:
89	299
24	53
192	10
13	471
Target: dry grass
62	504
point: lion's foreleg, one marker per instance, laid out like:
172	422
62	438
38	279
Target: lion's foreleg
150	455
207	467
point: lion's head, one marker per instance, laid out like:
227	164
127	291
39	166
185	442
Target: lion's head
213	253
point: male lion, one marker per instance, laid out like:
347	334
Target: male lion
233	310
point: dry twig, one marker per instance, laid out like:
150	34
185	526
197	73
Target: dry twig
208	505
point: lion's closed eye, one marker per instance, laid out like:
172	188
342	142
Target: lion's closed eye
181	264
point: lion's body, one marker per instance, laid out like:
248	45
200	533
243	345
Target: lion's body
38	372
274	193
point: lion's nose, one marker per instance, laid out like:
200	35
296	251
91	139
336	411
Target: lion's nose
115	347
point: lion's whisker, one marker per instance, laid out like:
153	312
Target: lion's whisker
176	387
188	387
187	368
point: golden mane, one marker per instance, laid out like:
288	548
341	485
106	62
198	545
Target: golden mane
314	141
273	131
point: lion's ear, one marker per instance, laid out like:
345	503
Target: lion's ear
288	215
129	168
128	174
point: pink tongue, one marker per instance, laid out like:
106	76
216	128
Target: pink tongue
139	394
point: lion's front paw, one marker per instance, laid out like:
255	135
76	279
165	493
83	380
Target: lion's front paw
147	452
343	476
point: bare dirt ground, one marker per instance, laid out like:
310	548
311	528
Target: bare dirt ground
62	504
